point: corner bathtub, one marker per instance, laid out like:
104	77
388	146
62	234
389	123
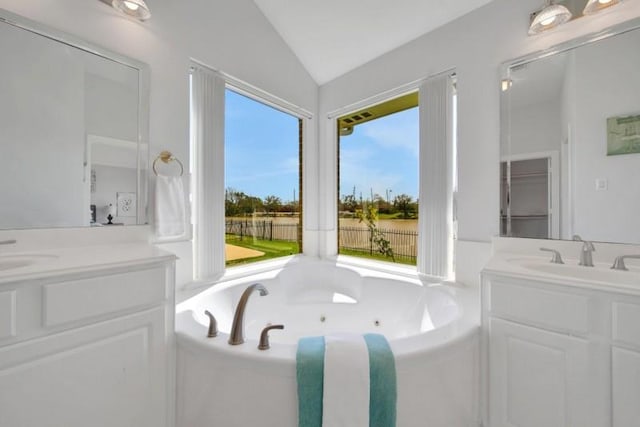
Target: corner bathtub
431	330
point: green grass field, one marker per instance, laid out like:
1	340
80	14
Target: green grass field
271	248
377	257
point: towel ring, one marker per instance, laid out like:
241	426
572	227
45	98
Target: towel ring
167	157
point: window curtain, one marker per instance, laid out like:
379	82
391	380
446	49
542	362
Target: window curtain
207	144
436	166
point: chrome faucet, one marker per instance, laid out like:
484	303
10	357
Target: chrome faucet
618	264
586	253
556	258
237	328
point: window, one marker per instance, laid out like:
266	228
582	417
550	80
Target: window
378	181
246	166
397	177
262	181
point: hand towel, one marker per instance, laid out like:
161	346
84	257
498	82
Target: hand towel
309	376
170	206
345	397
382	382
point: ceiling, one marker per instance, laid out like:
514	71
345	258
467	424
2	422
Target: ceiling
332	37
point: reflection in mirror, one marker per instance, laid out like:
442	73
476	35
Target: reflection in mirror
571	143
70	127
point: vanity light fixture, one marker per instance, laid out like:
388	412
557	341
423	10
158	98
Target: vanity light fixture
135	8
550	16
595	6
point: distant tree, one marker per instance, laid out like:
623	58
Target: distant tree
382	205
349	203
403	203
272	204
250	204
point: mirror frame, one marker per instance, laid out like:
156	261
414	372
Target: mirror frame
144	73
505	73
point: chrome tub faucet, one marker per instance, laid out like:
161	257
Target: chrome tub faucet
237	328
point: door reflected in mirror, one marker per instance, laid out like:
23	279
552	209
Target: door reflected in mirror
71	132
571	142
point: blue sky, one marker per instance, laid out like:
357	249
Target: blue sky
381	155
261	149
261	152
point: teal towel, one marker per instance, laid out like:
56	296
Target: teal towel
310	377
382	382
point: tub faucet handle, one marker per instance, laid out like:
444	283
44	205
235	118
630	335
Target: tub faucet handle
213	325
264	336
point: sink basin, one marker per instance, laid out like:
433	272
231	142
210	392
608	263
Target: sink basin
12	261
601	273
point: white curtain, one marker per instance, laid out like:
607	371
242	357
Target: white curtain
436	165
207	144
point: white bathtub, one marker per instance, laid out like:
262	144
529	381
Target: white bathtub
432	330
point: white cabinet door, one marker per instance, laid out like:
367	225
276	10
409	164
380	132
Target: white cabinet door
109	374
539	379
626	387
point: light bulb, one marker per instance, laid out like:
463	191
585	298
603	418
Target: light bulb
131	5
548	21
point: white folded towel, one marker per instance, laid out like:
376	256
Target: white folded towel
170	207
345	397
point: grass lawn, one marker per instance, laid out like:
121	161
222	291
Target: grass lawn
377	257
271	248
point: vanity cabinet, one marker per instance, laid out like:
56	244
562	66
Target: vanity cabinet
559	354
90	348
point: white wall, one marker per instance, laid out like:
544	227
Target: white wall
536	127
232	36
475	45
111	107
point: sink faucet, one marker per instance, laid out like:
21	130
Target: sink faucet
237	328
556	258
618	264
586	253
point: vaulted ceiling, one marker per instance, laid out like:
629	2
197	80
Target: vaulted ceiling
332	37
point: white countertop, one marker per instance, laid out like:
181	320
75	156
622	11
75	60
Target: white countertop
535	267
66	260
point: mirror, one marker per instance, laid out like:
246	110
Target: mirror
72	131
570	140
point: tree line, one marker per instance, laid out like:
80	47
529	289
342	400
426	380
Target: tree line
238	203
402	204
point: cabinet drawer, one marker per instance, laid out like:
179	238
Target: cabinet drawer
546	308
77	300
626	318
